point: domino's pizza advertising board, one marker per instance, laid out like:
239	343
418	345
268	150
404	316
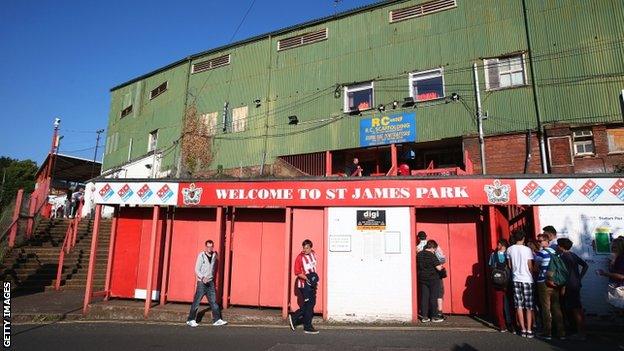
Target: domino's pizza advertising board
136	193
570	191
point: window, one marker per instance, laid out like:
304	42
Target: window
152	141
427	85
422	9
616	139
583	142
505	72
211	64
159	90
239	119
126	111
358	97
209	123
303	39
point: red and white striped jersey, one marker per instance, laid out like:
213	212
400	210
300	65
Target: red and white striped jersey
304	264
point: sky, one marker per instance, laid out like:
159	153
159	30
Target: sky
60	58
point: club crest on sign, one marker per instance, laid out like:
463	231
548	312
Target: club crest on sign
191	195
497	193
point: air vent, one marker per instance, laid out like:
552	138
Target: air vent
420	10
211	64
304	39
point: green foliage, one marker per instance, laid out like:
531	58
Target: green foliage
19	174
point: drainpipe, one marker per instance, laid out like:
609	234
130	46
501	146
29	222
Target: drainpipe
266	116
178	149
540	127
479	118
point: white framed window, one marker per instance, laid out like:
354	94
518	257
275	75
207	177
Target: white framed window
239	119
427	85
159	90
505	72
615	137
359	97
152	141
583	142
209	123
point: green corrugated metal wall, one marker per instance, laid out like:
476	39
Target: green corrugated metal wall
575	42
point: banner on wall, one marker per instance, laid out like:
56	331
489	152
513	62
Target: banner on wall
389	129
573	191
371	219
136	193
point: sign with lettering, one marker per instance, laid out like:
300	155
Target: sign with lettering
388	129
371	219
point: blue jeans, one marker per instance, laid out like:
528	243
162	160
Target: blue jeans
306	311
209	291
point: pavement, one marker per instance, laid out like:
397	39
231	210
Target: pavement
89	335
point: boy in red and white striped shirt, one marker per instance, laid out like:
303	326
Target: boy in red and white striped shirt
305	267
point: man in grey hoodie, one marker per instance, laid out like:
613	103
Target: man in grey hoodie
205	268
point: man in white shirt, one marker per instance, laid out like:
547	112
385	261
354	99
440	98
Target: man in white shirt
520	260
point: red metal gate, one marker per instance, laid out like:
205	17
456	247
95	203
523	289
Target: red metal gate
458	233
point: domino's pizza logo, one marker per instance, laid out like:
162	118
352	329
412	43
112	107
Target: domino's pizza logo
125	192
106	192
165	193
561	190
533	191
145	192
617	189
591	190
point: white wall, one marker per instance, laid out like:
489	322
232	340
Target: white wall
579	223
368	284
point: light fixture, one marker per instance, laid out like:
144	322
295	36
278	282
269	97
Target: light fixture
381	107
293	120
454	96
57	122
257	102
395	104
408	101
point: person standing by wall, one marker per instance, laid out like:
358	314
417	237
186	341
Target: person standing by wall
572	289
499	271
520	259
422	237
429	282
548	295
205	270
551	232
354	169
307	279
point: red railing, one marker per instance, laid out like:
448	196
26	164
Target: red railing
432	171
68	244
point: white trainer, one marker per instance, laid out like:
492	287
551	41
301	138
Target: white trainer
219	322
192	323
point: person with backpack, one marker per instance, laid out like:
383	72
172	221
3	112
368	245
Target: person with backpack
572	289
548	294
499	276
520	261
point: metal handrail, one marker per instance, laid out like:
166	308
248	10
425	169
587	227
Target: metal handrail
68	244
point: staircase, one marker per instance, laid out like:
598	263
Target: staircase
32	267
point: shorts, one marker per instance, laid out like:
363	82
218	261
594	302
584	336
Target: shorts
523	295
572	299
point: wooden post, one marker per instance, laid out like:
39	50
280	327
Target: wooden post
94	238
150	266
111	253
287	241
165	273
16	213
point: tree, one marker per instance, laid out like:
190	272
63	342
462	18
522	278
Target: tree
19	174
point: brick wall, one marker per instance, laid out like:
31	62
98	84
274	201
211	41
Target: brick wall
504	154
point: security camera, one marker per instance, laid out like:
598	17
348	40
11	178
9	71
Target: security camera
57	122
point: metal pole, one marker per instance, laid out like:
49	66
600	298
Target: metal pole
165	273
287	240
94	239
479	118
150	266
97	144
111	254
540	127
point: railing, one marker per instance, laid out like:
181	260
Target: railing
68	244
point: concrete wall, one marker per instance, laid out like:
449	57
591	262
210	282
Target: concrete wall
364	282
579	224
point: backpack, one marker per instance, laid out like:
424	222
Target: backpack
557	273
499	273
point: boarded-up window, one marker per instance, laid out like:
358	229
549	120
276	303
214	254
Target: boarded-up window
209	123
560	151
159	90
239	119
616	139
152	141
